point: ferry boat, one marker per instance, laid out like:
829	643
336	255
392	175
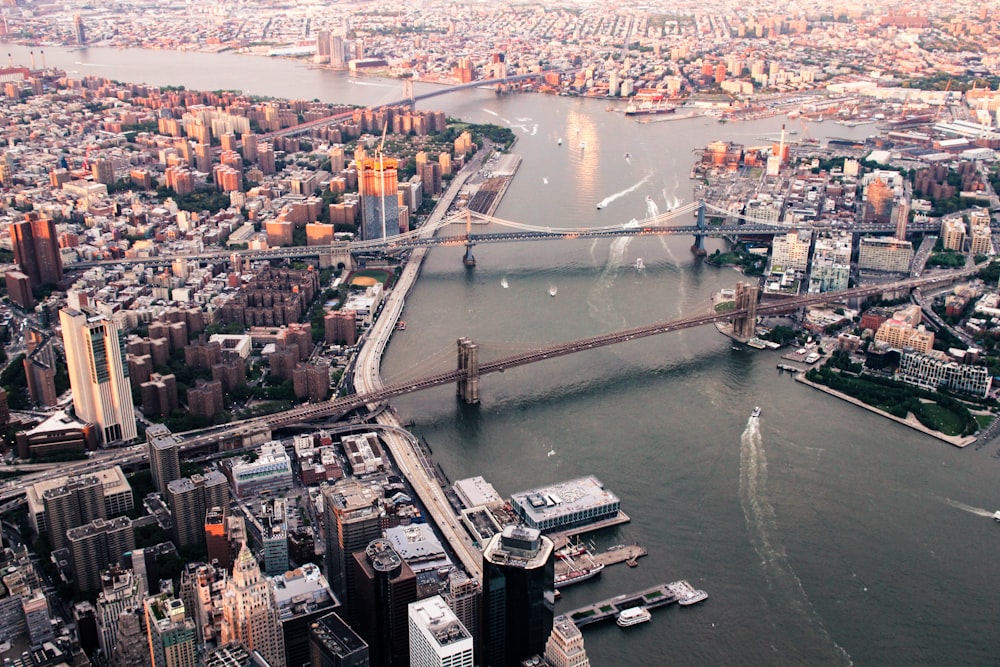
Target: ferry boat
756	412
693	598
578	575
633	616
649	108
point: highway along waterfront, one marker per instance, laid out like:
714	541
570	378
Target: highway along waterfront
824	534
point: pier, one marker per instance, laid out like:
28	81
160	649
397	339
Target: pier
782	368
651	598
621	553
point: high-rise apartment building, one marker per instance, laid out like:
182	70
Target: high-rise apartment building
95	546
332	643
131	640
78	30
377	187
190	498
171	633
78	502
378	602
437	637
36	249
338	50
95	355
164	463
351	518
518	595
249	614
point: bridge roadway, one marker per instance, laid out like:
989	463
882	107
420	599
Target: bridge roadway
341	406
319	122
407	242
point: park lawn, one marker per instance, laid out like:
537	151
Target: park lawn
941	419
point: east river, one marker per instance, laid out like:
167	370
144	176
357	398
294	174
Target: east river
823	535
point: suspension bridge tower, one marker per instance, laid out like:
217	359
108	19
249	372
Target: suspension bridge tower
469	259
698	248
408	93
746	302
468	363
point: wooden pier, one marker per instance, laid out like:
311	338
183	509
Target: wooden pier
622	553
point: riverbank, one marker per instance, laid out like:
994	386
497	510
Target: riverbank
911	421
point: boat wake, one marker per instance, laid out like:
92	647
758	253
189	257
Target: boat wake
651	208
627	191
978	511
762	526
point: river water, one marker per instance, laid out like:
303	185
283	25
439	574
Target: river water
822	533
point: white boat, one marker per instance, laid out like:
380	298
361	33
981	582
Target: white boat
694	598
639	264
559	143
553	290
503	282
600	206
633	616
756	412
628	156
583	144
578	575
996	516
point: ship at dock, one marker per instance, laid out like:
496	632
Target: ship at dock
577	574
649	108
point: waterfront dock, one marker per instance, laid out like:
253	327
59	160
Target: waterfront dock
621	553
651	598
562	539
783	368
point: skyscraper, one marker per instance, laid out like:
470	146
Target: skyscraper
78	29
565	645
332	643
338	52
377	187
95	352
378	601
437	637
164	463
351	518
190	498
95	546
249	614
121	592
172	641
77	502
36	249
518	595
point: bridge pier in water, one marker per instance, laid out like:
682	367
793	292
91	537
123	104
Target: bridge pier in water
467	387
699	239
469	259
746	300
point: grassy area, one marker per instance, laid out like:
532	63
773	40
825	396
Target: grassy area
984	421
941	419
725	306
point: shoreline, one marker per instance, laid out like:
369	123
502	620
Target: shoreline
954	440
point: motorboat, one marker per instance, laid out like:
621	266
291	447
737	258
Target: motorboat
756	412
694	598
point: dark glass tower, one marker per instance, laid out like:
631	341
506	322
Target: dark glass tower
518	596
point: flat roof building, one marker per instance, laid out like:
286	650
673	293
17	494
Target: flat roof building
437	637
565	505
